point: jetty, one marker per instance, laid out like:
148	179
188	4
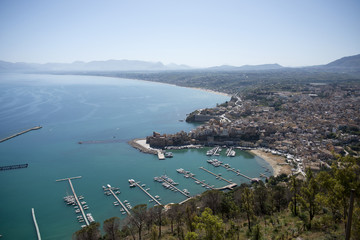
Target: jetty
20	133
180	191
188	174
76	197
153	198
36	225
117	199
216	175
11	167
227	167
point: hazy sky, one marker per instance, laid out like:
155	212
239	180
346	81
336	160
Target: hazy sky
194	32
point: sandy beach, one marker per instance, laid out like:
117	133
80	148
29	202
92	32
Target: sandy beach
276	162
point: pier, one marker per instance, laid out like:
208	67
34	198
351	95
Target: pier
20	133
237	172
11	167
216	175
36	225
180	191
206	185
155	200
117	199
76	197
187	174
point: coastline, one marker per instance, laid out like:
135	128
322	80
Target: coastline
209	91
197	88
277	163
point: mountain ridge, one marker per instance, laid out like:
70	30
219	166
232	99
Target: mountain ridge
349	63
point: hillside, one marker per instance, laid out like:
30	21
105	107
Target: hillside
346	62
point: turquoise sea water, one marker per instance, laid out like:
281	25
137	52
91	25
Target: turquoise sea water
80	108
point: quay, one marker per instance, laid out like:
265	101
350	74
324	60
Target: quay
161	155
180	191
11	167
20	133
155	200
36	225
117	199
216	175
76	197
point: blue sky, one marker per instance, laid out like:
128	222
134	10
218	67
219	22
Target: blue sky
198	33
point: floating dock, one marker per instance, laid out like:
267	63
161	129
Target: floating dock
11	167
216	175
236	172
36	225
20	133
180	191
230	186
117	199
153	198
190	175
76	197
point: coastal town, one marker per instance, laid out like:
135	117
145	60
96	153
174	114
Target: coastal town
308	127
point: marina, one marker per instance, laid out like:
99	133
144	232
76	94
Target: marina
155	199
99	163
88	217
20	133
117	199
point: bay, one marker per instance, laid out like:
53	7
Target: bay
83	108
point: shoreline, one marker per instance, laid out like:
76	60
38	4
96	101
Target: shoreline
136	79
277	163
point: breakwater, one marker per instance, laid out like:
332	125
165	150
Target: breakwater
20	133
11	167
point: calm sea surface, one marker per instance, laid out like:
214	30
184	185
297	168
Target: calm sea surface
82	108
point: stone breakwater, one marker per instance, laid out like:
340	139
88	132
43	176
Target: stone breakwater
142	146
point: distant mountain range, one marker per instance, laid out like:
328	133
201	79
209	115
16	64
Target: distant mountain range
247	67
110	65
345	64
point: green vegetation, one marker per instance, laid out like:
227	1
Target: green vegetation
282	208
